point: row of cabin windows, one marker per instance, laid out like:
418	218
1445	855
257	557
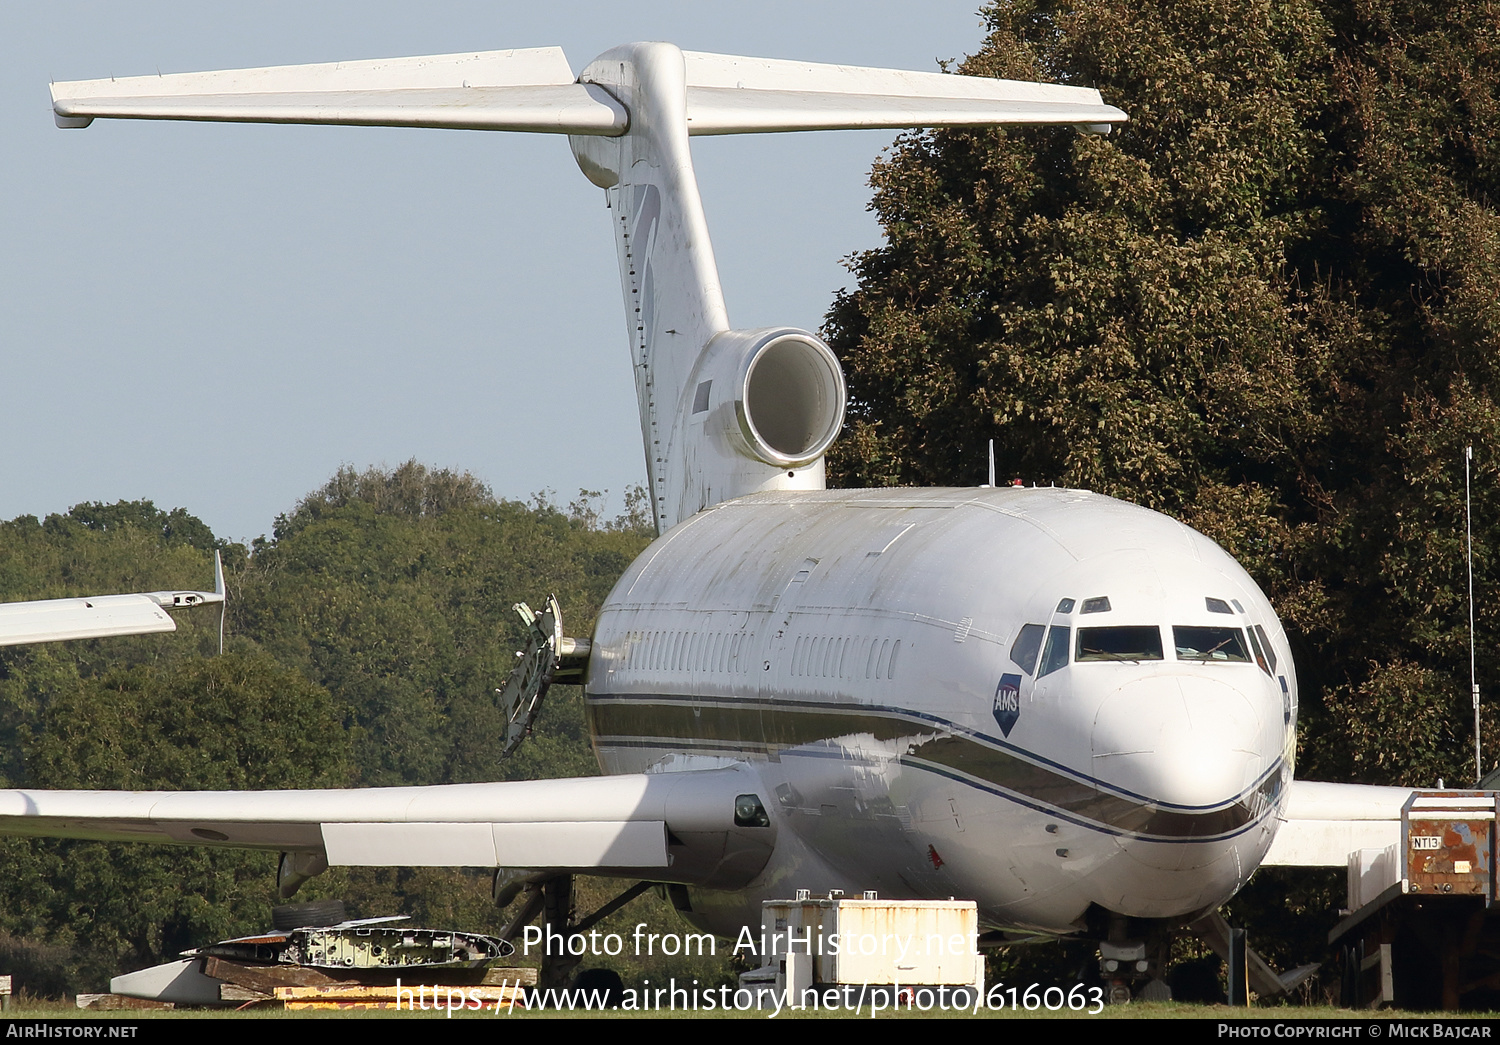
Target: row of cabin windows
1137	643
717	652
845	658
727	653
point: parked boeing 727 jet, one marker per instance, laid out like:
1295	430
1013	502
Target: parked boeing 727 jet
1079	713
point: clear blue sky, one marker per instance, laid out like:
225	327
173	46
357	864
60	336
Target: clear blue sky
216	317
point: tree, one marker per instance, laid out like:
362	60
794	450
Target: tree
235	722
1267	305
394	589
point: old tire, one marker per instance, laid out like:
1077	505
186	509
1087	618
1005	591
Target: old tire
307	915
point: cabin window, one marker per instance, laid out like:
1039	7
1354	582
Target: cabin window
1056	654
1027	645
1134	643
1210	644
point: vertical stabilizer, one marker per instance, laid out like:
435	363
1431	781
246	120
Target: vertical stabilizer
673	301
674	307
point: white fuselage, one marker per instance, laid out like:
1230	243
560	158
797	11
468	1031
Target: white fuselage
867	653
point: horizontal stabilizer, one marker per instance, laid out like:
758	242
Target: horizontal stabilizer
521	90
734	95
534	89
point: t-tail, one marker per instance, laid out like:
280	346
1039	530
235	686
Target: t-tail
724	412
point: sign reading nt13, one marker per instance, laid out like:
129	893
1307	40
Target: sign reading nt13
1070	709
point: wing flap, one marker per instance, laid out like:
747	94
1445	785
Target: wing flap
615	844
713	110
563	109
1324	823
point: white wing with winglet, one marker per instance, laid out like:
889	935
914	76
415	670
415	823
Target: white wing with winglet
102	616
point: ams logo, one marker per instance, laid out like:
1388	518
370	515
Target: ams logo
1007	702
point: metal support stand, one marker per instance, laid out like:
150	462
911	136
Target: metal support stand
557	921
553	899
1239	968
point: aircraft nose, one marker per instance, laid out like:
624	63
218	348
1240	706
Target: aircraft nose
1179	740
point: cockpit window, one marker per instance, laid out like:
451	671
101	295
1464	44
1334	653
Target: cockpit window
1056	654
1065	606
1131	643
1260	657
1265	644
1098	604
1210	644
1024	650
1217	605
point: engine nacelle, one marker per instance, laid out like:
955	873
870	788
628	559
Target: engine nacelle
775	395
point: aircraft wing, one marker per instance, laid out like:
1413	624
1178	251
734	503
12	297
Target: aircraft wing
678	827
57	619
1324	823
534	90
102	616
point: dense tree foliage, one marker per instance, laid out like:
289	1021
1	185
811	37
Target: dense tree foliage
233	722
366	639
1266	305
394	590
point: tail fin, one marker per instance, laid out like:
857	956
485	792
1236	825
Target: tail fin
723	412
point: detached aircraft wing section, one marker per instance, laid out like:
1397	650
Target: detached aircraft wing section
675	827
535	90
1324	823
56	620
102	616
